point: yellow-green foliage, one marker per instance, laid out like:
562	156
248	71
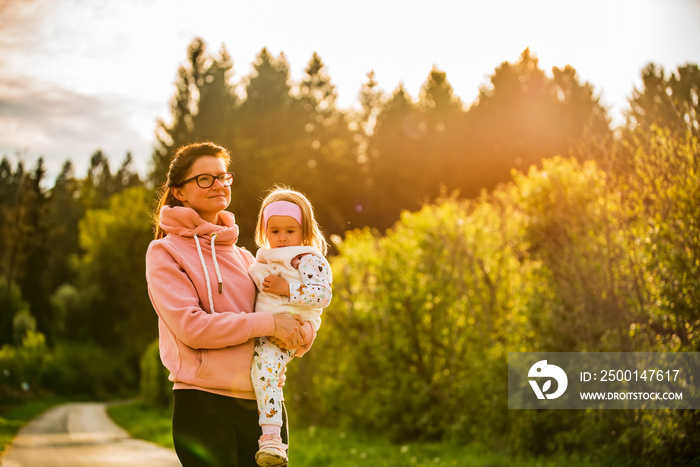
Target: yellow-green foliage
664	200
569	256
422	318
22	366
116	311
574	234
154	387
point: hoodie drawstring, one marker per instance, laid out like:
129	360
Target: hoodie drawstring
216	264
206	273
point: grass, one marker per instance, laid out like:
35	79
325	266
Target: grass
316	447
310	447
13	417
319	446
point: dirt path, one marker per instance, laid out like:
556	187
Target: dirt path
81	435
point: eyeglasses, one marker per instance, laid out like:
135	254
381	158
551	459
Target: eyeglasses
207	180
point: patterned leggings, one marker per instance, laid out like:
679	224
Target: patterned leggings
268	362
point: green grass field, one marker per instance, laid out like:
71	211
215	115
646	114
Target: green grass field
319	446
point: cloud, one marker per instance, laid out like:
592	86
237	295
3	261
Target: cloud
44	119
27	26
65	89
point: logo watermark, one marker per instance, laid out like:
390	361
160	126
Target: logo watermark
543	370
604	380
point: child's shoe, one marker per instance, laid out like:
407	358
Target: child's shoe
272	453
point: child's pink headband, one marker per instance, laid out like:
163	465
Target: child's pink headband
281	208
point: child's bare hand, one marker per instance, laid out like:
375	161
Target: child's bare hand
278	342
276	285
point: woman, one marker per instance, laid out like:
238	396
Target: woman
201	291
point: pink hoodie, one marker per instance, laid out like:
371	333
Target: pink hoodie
205	314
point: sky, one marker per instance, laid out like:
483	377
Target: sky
82	75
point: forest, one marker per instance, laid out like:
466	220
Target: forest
522	221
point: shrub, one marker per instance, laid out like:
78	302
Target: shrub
11	304
87	370
23	367
155	388
414	343
564	258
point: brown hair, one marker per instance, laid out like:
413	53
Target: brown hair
311	234
180	165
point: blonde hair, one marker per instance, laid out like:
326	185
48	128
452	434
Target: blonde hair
180	165
311	234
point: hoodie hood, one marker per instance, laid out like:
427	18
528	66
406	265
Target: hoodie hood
284	254
185	222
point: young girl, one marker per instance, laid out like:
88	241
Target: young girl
292	276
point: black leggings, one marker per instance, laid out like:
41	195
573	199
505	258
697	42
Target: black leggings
217	431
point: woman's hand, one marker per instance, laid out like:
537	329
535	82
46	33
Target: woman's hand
289	332
276	285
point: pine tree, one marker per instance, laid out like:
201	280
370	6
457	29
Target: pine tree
395	160
12	248
329	150
443	146
667	101
64	213
269	138
33	237
522	116
214	119
172	135
370	98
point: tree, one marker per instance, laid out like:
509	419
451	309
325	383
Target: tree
371	100
126	176
509	123
267	114
32	224
437	98
416	151
395	161
190	77
443	146
100	184
215	118
522	116
97	186
10	183
11	304
578	106
269	145
115	310
667	101
24	231
64	214
327	150
317	93
364	121
662	194
574	232
408	309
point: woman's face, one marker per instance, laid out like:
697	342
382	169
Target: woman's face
208	202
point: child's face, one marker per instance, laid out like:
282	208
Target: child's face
283	231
